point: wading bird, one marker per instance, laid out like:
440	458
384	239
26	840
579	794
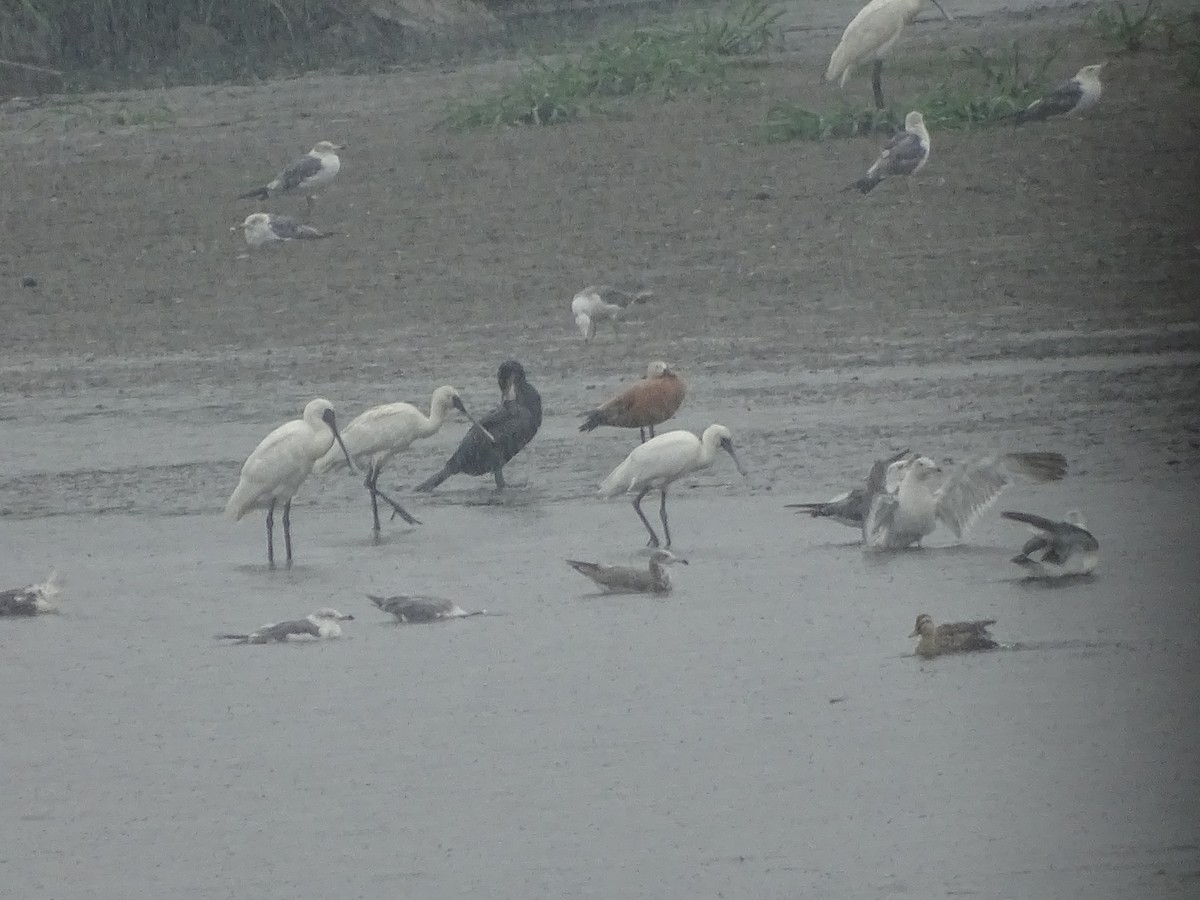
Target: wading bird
416	609
870	36
1067	547
660	461
952	637
278	466
308	174
629	580
898	520
500	434
265	228
32	599
601	302
378	434
1069	98
321	625
850	508
644	404
905	154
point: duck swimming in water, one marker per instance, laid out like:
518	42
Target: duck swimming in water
952	637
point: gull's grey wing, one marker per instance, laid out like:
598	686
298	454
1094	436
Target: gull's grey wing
878	525
904	153
617	578
974	485
413	608
1062	99
289	229
281	631
18	602
297	173
847	509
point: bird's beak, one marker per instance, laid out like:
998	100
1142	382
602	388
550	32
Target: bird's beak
344	146
234	227
915	633
345	452
682	562
737	462
949	18
506	391
346	617
470	418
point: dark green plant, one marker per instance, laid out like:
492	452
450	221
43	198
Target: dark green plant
1117	25
751	31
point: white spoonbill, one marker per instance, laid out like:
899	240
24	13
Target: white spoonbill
598	302
870	36
381	432
278	466
660	461
905	154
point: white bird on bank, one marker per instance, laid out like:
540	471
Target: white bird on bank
278	466
599	303
417	609
870	36
308	174
660	461
1067	547
266	228
905	154
898	520
381	432
32	599
1069	98
320	626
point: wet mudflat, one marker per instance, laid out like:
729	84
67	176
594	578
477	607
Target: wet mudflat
763	730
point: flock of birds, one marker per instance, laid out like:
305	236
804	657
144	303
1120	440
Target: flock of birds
901	502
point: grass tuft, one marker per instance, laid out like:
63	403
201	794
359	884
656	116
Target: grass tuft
1126	30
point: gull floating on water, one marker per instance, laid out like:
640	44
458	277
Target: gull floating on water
321	625
1067	547
308	174
1069	98
850	508
32	599
952	637
265	228
629	580
905	154
416	609
898	520
645	403
602	302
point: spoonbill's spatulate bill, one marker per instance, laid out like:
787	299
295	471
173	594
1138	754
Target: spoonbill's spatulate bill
500	435
33	599
311	172
1067	548
657	463
628	579
1069	98
602	303
645	403
321	625
870	37
266	228
278	466
417	609
373	437
905	154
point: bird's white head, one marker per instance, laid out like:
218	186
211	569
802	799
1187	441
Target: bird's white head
1089	74
323	148
914	121
445	399
657	369
923	468
924	625
666	558
720	437
318	412
328	614
1075	517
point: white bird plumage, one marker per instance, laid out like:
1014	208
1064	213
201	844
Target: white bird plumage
599	303
870	36
278	466
660	461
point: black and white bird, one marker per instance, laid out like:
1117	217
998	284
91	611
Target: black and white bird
320	626
1069	98
905	154
32	599
602	302
850	508
417	609
311	172
1066	548
266	228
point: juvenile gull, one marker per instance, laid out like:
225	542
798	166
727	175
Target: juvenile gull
850	508
900	519
32	599
630	580
307	174
905	154
602	302
265	228
321	625
1067	547
645	403
417	609
952	637
1069	98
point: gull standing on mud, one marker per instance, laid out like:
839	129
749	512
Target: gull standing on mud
381	432
278	466
33	599
320	626
662	460
602	302
416	609
850	508
952	637
1069	548
1069	98
630	580
311	172
266	228
644	404
500	435
899	520
870	36
905	154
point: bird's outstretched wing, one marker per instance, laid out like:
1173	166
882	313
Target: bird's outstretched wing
974	485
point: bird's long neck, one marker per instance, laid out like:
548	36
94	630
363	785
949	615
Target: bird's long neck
430	424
